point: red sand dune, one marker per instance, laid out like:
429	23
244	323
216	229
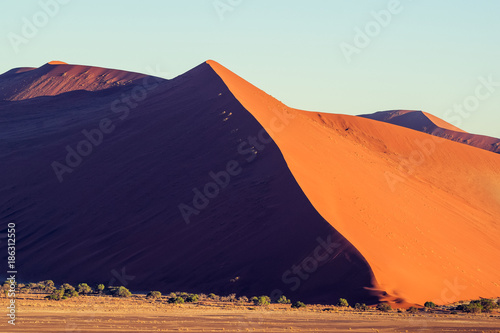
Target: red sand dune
118	212
428	226
57	77
425	122
412	217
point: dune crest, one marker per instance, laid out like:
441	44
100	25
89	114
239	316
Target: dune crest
415	206
57	77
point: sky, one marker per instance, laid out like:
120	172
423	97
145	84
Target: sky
339	56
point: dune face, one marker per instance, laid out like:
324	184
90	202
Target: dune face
427	123
57	77
117	216
204	183
422	210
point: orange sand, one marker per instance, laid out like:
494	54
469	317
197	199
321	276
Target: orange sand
429	229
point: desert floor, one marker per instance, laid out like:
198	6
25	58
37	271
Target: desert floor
137	314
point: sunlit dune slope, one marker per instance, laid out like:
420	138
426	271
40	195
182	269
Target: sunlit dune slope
422	210
57	77
425	122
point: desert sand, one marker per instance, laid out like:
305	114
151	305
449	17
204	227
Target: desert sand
428	123
422	210
328	206
107	314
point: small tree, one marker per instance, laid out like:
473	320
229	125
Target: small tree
176	300
192	298
122	292
283	300
154	295
360	307
430	305
342	302
243	299
48	286
261	300
100	288
384	307
413	309
298	305
84	288
487	305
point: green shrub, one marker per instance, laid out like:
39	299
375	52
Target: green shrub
100	288
213	296
121	292
471	307
261	300
243	299
84	288
488	305
298	305
430	305
342	302
192	298
176	300
413	309
64	292
384	307
48	285
154	294
283	300
360	307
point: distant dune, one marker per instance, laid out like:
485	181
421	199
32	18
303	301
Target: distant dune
425	122
57	77
205	183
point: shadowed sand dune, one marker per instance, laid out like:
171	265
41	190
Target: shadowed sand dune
425	122
328	206
423	211
115	218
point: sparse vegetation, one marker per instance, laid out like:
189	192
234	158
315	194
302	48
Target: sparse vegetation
360	307
120	292
176	300
413	309
154	295
342	303
384	307
100	288
283	300
84	288
298	305
65	291
213	297
192	298
430	305
261	300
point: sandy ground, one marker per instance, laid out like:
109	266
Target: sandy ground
106	314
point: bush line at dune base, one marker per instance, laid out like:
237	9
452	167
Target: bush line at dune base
65	291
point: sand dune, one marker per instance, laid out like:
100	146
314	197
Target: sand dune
115	219
57	77
425	122
328	206
422	210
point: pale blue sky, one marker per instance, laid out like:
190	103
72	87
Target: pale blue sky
428	57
